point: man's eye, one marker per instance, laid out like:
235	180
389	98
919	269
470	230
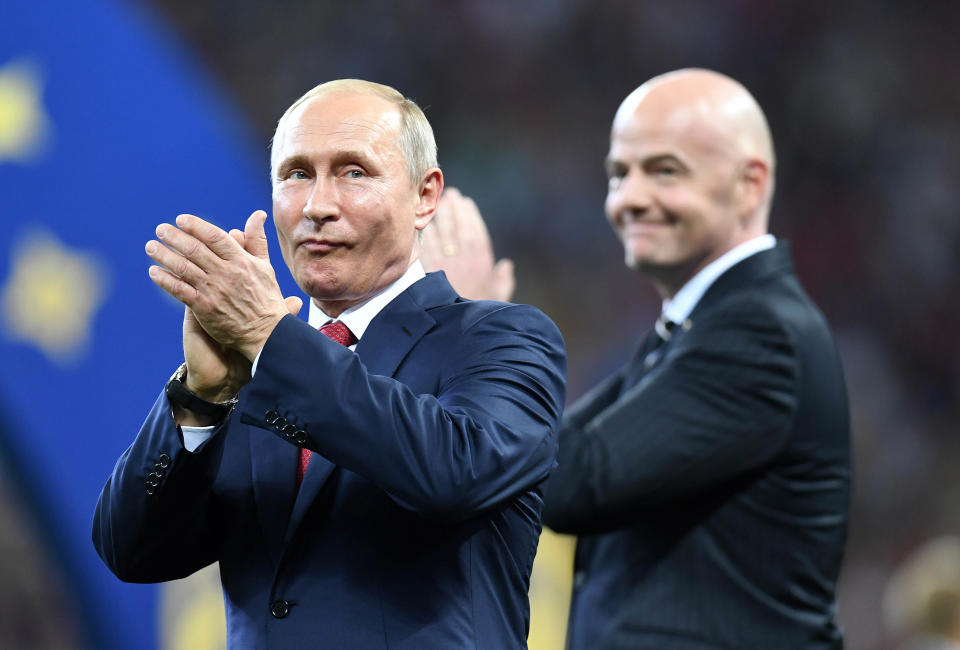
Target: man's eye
354	173
297	174
615	174
666	170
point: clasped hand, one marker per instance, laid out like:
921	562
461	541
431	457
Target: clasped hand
230	290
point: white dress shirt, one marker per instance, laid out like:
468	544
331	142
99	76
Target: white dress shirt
679	308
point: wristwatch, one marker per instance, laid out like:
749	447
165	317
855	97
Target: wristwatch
178	394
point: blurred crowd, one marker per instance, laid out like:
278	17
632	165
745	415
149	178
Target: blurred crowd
863	105
863	101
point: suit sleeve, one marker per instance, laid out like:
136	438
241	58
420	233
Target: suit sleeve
152	522
487	434
719	406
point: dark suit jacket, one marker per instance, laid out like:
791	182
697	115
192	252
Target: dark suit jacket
417	524
712	495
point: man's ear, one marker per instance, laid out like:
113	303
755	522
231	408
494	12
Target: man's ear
754	187
430	189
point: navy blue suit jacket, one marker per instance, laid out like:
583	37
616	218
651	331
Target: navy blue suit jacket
418	518
711	491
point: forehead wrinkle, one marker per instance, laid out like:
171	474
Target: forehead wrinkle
311	116
352	136
682	130
717	113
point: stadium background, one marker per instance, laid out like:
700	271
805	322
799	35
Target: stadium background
118	114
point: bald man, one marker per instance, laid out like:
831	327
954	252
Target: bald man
709	479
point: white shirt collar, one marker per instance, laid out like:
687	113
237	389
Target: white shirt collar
358	317
678	308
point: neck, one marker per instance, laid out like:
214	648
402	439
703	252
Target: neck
333	308
669	280
336	306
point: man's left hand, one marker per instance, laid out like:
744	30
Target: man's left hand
231	288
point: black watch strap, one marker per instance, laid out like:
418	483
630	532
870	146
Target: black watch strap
178	394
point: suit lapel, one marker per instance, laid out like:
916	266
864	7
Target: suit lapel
743	275
395	330
386	342
649	355
318	471
740	275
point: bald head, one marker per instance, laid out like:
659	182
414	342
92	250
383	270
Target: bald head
711	107
415	137
691	173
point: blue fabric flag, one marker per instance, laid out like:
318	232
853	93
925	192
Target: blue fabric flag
107	129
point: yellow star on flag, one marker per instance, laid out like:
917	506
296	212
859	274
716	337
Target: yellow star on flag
51	296
24	125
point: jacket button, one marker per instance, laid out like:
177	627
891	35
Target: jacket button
271	416
279	608
280	423
300	437
164	460
288	431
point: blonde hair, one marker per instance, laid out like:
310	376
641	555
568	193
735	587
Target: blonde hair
415	139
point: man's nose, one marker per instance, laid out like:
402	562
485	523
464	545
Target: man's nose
321	203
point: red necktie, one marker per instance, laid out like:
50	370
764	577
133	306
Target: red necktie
342	335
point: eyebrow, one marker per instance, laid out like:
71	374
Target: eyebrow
610	165
339	158
291	162
664	157
351	156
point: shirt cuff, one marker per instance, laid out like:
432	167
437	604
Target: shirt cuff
256	360
193	437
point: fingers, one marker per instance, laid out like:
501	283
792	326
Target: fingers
256	237
294	304
195	245
502	279
188	251
462	230
173	262
215	239
173	285
472	231
447	222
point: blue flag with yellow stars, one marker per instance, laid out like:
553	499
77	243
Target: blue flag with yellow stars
107	128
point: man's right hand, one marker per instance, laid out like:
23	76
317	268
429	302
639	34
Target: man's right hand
215	373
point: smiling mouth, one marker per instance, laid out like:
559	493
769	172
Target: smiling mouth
640	228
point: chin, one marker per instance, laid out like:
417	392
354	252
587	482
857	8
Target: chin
639	260
321	287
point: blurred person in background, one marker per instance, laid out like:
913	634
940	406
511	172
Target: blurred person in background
709	479
922	598
374	484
